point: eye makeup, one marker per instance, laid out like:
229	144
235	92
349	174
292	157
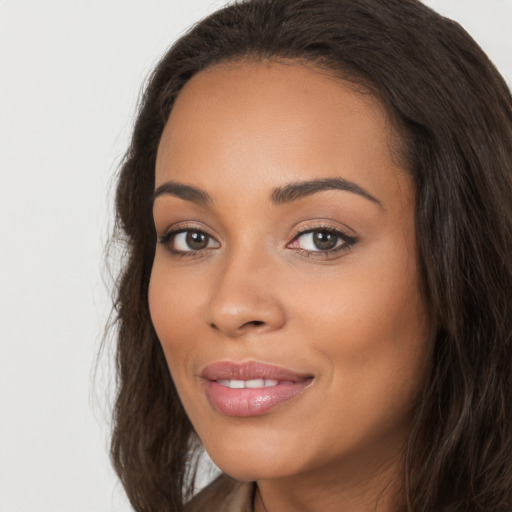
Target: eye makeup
320	241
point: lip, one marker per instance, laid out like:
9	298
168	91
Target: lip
246	402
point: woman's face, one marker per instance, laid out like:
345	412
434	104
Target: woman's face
285	288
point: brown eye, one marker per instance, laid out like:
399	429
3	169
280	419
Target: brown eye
196	240
188	241
324	241
319	240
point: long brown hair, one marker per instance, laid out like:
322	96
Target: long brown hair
453	112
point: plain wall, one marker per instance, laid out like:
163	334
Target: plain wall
70	74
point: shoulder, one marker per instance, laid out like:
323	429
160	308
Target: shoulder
224	494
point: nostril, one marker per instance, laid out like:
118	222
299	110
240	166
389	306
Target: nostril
243	327
254	323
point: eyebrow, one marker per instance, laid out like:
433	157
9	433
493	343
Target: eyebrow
186	192
281	195
301	189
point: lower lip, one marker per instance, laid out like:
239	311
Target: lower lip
251	401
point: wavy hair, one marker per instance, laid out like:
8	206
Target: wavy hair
453	114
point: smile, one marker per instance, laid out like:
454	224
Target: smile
250	389
251	384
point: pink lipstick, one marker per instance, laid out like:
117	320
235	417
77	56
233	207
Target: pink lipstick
250	389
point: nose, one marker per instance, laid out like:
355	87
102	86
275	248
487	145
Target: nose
245	299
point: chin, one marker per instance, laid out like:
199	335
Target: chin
250	471
254	461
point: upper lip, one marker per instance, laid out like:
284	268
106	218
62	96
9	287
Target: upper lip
227	370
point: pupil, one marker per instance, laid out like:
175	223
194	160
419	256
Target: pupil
324	241
197	240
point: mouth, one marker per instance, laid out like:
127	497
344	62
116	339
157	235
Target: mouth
251	389
252	383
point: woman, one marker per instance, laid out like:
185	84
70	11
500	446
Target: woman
317	210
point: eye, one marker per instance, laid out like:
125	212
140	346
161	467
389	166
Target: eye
188	241
318	241
192	241
322	241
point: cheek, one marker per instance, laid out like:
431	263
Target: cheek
174	307
371	328
375	312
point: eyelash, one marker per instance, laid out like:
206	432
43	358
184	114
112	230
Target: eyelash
168	237
347	241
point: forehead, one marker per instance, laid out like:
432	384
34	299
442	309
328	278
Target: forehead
275	122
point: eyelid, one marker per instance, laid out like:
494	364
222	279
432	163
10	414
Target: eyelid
347	241
177	235
188	226
174	230
324	226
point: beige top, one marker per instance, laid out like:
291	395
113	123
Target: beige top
223	495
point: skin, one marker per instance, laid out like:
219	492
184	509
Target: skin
353	319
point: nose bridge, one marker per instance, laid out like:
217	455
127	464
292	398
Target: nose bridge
244	297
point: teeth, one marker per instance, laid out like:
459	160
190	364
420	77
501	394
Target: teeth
251	384
255	383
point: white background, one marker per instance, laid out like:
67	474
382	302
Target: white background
70	73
